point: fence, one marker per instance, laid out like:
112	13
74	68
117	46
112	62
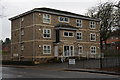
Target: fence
6	57
105	62
110	62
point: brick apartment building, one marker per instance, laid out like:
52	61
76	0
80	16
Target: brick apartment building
44	33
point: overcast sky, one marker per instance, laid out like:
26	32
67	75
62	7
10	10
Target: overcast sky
10	8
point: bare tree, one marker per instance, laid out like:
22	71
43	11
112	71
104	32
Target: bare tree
108	17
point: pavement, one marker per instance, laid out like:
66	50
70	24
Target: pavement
92	71
63	68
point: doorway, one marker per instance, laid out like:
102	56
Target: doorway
68	50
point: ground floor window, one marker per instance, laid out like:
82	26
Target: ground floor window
46	49
80	49
93	49
68	50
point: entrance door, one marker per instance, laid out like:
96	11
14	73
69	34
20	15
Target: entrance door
68	50
56	51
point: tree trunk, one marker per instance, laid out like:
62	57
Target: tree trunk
101	45
105	44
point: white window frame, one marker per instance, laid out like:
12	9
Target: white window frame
22	31
68	34
79	21
80	51
92	25
63	19
22	47
22	19
79	35
91	34
46	49
47	33
69	47
46	18
93	48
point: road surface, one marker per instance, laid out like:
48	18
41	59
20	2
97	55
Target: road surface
12	72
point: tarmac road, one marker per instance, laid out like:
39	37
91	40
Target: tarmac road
12	72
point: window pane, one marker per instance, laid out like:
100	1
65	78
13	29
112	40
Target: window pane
63	19
93	50
70	34
65	33
46	18
78	22
79	35
46	33
66	19
46	49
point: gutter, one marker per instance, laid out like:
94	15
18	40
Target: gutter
55	13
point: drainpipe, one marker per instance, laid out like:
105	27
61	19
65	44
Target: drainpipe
19	39
57	35
11	44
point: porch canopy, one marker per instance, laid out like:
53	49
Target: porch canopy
65	26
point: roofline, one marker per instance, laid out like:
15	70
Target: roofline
20	15
55	13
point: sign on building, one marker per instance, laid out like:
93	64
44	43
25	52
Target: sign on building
15	55
71	61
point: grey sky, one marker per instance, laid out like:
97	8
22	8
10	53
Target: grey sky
10	8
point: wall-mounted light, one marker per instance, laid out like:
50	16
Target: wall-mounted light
39	46
39	14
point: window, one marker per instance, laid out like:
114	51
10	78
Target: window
92	24
68	34
22	47
78	22
22	32
46	33
92	37
80	49
68	50
46	49
63	19
93	49
46	18
22	19
79	35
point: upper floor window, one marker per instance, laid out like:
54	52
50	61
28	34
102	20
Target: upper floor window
79	35
93	49
63	19
46	49
92	37
22	47
22	19
92	25
68	34
78	22
46	18
46	33
22	32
